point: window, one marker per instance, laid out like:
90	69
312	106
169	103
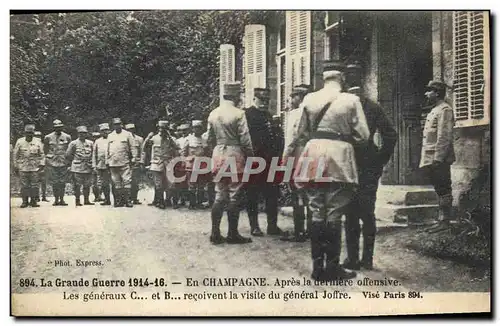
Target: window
332	35
226	66
255	60
471	67
282	38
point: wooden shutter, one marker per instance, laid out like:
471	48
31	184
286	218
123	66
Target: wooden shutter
226	65
471	67
298	48
255	60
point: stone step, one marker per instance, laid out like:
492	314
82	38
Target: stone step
412	215
407	195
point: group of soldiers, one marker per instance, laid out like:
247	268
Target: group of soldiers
336	124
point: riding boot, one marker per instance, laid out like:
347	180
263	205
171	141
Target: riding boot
34	197
44	191
333	239
86	194
127	198
233	236
107	199
192	199
217	212
352	233
118	197
77	195
161	199
24	195
95	191
62	191
317	250
254	224
55	190
368	247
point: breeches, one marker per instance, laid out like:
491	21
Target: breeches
82	179
227	191
29	180
329	203
440	177
103	178
57	175
121	176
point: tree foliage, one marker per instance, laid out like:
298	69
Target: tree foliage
86	68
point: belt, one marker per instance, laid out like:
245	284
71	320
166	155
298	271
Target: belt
332	136
229	143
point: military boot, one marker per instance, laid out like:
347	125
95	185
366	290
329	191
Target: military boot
317	250
333	238
25	202
368	247
192	199
445	207
86	194
35	198
254	225
233	236
127	199
216	237
76	190
62	190
107	199
352	232
118	197
298	226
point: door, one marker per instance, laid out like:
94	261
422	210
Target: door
405	67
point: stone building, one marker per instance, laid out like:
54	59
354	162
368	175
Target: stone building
400	53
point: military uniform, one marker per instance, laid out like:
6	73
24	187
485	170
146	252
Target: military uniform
181	189
195	147
79	153
370	161
265	145
163	150
28	160
210	186
298	196
437	150
42	176
331	122
99	164
55	147
136	170
95	188
228	134
121	155
146	160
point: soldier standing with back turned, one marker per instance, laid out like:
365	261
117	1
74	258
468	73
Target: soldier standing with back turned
79	153
55	147
331	122
230	139
370	161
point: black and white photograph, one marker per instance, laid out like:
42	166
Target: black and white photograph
293	163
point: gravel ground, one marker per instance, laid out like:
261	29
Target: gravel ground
173	244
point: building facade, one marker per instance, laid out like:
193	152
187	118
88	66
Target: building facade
400	53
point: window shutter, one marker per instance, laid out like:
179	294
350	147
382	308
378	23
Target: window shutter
298	48
471	84
226	66
255	60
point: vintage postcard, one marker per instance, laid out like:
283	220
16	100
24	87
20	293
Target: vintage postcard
250	163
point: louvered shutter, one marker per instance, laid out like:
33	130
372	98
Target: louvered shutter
298	48
471	84
255	60
226	65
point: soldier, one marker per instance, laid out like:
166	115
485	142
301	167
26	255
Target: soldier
331	122
136	170
195	146
95	188
370	161
210	187
120	157
79	153
55	147
146	157
229	137
99	163
437	148
181	189
42	176
299	198
163	150
265	146
29	159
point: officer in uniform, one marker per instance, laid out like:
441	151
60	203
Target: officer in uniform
370	161
299	198
146	157
99	163
95	188
331	122
136	170
163	150
210	186
55	147
79	153
42	175
229	136
29	159
195	146
181	189
265	146
120	158
437	148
